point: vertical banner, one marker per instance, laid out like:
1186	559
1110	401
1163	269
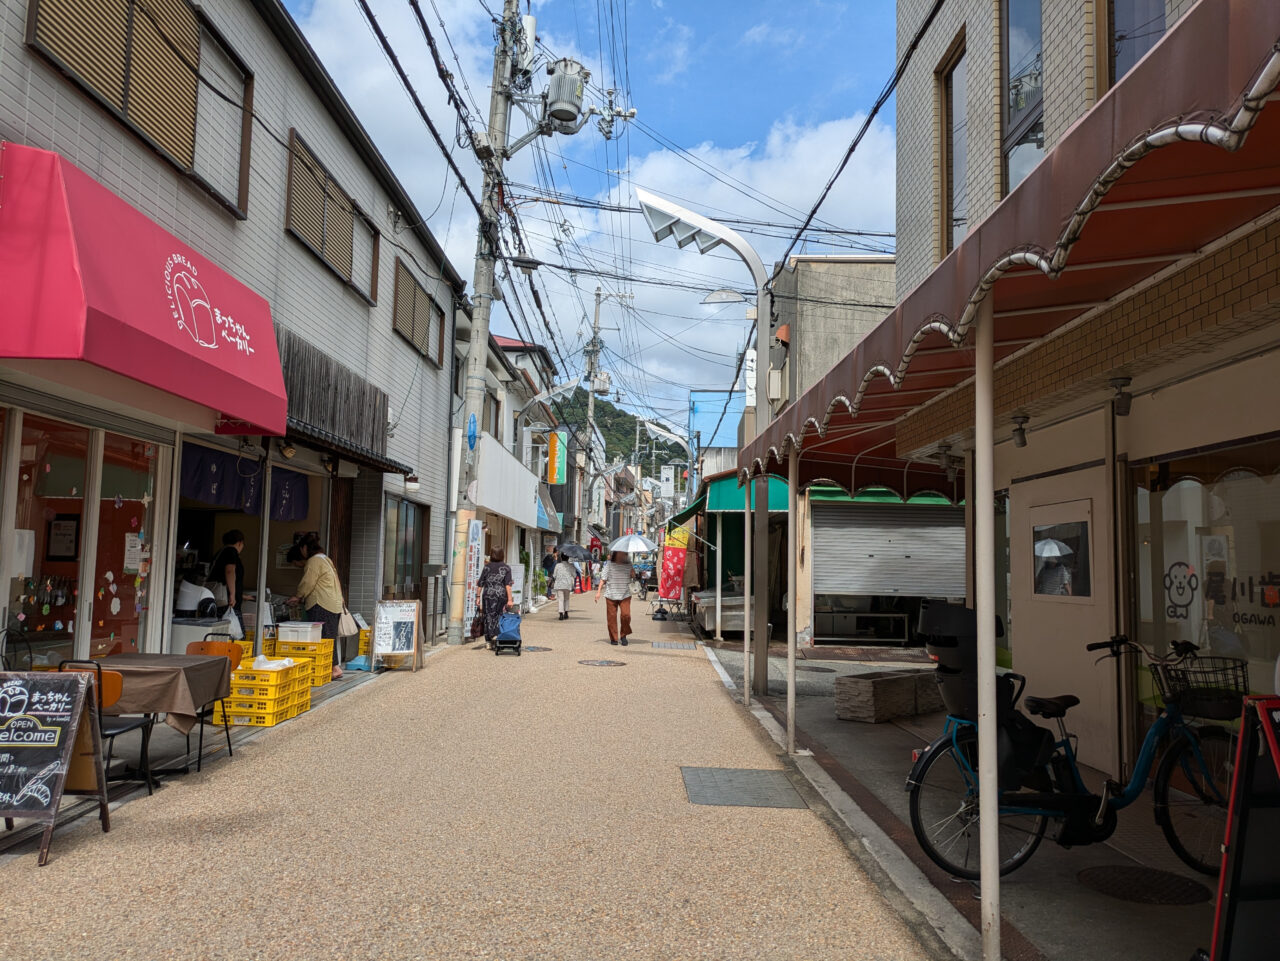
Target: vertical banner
557	457
671	578
475	560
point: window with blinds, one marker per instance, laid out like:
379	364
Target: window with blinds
323	216
416	317
143	62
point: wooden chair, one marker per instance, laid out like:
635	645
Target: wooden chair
232	652
110	685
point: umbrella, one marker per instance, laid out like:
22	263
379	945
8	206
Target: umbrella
633	544
1052	548
575	552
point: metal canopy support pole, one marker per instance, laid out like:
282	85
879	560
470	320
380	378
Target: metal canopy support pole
760	628
984	517
793	482
719	573
747	520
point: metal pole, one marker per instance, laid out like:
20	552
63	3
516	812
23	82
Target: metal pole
746	594
264	554
984	517
760	519
719	573
486	252
793	483
591	351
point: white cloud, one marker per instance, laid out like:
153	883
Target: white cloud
676	343
671	51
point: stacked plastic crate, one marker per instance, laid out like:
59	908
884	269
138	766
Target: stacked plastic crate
264	698
301	641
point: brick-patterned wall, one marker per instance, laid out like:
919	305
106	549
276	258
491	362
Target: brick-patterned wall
1174	9
1070	64
1228	293
918	176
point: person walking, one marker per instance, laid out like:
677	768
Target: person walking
562	584
321	593
548	568
493	592
615	585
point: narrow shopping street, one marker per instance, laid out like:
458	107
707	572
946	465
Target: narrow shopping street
484	807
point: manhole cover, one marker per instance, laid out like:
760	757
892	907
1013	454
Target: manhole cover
815	669
536	650
676	645
740	787
604	663
1143	885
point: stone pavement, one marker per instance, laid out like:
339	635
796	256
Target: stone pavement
485	807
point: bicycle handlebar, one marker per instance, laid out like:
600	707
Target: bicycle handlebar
1099	645
1179	650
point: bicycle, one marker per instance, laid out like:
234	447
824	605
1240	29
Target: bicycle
1192	782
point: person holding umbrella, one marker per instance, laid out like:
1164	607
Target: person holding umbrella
615	585
1054	577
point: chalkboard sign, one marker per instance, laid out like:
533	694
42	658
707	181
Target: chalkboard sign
1249	888
49	746
396	630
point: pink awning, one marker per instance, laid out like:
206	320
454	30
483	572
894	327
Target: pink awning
85	277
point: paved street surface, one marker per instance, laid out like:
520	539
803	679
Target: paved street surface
486	807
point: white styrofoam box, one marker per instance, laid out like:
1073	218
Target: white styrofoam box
299	631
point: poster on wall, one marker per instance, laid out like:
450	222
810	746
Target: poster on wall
557	457
671	578
475	560
517	585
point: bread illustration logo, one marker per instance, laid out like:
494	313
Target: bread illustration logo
189	301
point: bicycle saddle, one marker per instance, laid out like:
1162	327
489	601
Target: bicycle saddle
1051	706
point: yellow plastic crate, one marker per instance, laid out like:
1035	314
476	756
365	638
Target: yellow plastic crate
241	718
366	635
257	691
269	678
295	649
246	647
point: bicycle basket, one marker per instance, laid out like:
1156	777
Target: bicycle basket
1208	687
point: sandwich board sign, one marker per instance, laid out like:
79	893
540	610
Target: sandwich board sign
397	632
49	746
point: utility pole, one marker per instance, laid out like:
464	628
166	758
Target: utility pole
482	284
591	352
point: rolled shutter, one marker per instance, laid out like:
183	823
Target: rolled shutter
163	85
90	43
306	196
915	551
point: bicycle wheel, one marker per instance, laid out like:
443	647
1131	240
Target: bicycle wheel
944	815
1191	797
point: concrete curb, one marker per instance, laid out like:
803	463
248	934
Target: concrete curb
898	878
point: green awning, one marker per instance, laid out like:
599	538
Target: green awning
724	494
690	511
873	495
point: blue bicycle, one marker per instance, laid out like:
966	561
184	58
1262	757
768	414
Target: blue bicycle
1041	789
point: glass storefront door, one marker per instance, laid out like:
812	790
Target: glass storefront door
122	588
1208	556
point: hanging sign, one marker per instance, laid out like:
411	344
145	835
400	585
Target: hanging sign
49	746
671	577
397	626
471	432
475	561
557	457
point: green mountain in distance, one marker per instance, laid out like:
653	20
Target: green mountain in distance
618	427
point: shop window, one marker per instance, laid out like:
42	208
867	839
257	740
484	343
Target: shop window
955	150
122	590
1207	545
1133	28
327	221
1060	553
417	317
406	523
1023	89
48	535
163	70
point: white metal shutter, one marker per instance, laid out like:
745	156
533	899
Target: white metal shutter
913	550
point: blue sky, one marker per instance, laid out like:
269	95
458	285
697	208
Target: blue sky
764	96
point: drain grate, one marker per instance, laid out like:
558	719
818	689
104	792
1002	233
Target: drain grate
676	645
535	650
740	787
604	663
815	669
1143	885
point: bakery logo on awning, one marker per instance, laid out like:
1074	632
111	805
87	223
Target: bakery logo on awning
207	325
27	731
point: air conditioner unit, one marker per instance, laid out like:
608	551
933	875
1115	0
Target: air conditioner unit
776	387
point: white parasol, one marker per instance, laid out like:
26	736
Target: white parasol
1049	547
633	544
